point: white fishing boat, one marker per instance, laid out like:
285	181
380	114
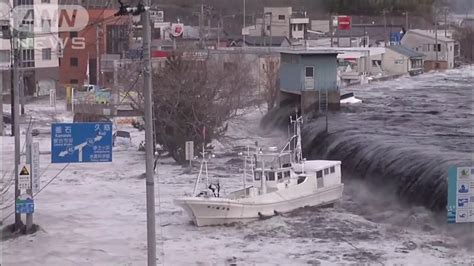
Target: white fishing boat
280	182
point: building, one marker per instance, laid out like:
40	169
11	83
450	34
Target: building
310	78
366	35
104	35
279	21
357	64
441	51
399	59
39	56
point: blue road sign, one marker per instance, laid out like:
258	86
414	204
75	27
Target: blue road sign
24	205
81	142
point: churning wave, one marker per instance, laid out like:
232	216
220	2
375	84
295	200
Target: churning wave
403	138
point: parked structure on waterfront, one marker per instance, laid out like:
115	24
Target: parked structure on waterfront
310	78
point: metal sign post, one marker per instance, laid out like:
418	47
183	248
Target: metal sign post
189	152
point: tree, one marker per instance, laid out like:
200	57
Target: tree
271	81
194	97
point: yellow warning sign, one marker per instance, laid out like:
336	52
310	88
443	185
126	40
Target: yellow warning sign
24	171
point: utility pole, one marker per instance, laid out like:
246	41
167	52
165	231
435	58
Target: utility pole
445	22
219	31
149	149
271	29
436	43
201	27
21	80
406	21
16	118
243	27
97	57
385	27
12	78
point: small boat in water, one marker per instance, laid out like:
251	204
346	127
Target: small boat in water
280	182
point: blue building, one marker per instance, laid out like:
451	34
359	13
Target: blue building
309	77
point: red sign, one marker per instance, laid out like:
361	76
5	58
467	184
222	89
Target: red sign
159	54
177	29
344	22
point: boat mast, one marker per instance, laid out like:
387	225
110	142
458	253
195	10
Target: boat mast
298	149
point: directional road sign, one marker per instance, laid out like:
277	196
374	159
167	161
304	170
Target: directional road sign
81	142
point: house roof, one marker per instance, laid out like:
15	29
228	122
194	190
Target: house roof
374	31
405	51
431	34
266	40
311	52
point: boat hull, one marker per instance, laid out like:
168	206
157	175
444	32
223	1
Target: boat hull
219	211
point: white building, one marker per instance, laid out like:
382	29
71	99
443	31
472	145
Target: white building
40	49
279	21
433	45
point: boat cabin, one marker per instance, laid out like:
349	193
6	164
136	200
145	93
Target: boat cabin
273	175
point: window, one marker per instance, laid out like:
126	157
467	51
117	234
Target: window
281	17
301	179
230	66
376	63
74	61
451	48
294	27
45	1
319	174
258	176
280	176
332	169
74	81
426	47
28	58
287	173
23	2
399	62
46	25
73	34
271	176
300	27
269	27
46	53
326	171
437	47
4	56
309	72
